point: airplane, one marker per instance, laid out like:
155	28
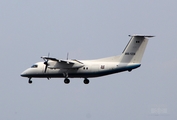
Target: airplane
57	68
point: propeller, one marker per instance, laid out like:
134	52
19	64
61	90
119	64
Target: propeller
46	63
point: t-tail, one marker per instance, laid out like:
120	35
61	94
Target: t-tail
133	52
135	48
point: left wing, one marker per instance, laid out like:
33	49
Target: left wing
63	64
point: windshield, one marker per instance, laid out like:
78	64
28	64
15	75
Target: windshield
34	66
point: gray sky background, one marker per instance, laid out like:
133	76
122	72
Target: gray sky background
88	29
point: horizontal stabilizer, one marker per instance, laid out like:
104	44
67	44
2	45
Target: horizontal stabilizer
140	35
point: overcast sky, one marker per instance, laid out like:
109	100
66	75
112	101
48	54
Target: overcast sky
88	29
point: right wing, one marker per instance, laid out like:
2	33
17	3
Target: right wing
63	64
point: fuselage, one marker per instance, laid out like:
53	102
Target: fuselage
90	69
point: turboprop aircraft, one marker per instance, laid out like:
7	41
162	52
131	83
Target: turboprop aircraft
57	68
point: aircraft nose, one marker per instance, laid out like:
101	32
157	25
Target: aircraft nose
24	74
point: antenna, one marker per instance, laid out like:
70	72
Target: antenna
67	55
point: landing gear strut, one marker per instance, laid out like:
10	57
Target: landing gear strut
86	81
66	80
30	81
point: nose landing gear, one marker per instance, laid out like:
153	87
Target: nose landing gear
30	81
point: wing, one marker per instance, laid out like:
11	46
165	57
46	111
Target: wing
63	64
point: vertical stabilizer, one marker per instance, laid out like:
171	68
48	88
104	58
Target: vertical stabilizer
134	50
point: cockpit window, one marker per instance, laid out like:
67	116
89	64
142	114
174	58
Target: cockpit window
34	66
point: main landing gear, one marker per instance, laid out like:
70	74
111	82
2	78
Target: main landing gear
66	81
86	81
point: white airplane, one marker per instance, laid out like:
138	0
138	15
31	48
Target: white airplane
56	68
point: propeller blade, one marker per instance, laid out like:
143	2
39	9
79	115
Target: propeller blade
45	68
46	63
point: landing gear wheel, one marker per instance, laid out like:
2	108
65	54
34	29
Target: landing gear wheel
30	81
86	81
66	81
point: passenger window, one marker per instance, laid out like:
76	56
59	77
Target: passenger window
102	66
85	68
